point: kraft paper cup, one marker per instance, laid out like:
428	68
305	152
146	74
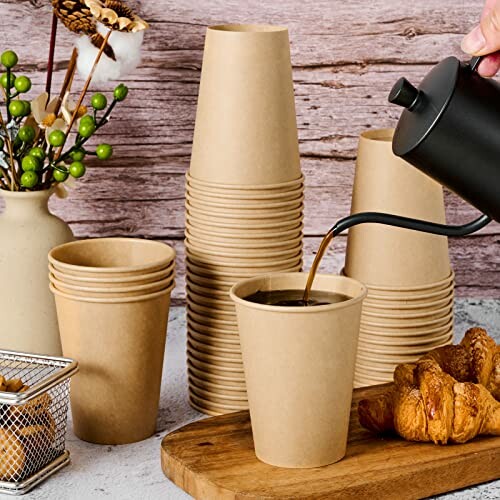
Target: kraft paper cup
112	292
242	189
235	268
387	370
221	359
203	319
400	318
417	290
413	326
246	127
114	399
221	407
228	341
389	256
381	306
299	368
111	257
415	300
229	353
209	330
235	226
217	398
115	282
203	363
204	286
200	300
403	350
368	340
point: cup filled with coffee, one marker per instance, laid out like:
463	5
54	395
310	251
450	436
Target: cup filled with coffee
299	358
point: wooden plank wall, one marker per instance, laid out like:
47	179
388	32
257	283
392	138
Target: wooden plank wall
346	56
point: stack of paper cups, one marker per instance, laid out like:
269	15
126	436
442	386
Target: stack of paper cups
113	298
409	308
244	198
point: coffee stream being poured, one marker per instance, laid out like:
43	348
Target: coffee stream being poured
314	268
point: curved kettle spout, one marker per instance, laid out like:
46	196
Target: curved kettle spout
408	223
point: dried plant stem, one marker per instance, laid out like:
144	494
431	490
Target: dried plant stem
68	80
52	49
8	142
84	91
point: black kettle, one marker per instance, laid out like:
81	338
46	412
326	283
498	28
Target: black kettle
450	130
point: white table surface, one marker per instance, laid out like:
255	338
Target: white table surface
133	471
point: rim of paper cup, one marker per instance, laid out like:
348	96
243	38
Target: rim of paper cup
409	342
378	134
208	215
224	350
124	300
221	322
206	294
207	251
238	369
208	287
410	351
268	234
408	326
214	333
292	310
412	297
238	405
247	227
223	331
418	288
401	333
244	187
206	339
404	315
128	279
259	205
408	307
221	284
372	381
248	28
205	411
210	301
211	312
201	392
239	245
139	288
103	270
214	408
389	358
390	368
228	267
224	378
229	388
227	195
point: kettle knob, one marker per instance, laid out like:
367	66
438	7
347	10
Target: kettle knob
404	94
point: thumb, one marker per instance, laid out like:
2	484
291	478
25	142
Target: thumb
485	38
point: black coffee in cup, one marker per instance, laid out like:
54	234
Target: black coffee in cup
295	298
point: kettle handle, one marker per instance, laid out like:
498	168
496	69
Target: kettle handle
474	62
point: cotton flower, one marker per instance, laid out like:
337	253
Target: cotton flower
127	50
116	15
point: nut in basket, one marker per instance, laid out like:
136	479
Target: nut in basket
34	402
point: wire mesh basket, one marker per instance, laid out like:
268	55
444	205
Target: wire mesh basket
34	401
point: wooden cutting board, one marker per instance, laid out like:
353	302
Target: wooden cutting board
213	459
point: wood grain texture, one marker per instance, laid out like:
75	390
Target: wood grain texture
346	56
214	459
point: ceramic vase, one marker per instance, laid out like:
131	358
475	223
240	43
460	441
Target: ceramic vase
28	231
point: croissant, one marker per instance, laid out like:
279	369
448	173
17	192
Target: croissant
437	398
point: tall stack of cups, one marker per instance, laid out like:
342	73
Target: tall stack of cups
112	298
409	308
244	199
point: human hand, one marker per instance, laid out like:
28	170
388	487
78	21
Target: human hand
484	39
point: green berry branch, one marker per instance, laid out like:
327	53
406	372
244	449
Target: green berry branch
35	150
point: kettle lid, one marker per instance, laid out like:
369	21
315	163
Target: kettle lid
424	106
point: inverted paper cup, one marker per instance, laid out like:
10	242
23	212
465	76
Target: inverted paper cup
111	257
112	292
99	282
224	380
299	369
390	256
114	399
242	189
246	127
